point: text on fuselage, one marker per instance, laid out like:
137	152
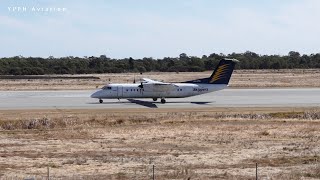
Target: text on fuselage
200	89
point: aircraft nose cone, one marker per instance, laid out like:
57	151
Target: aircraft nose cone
95	95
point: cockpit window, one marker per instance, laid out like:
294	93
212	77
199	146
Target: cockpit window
106	88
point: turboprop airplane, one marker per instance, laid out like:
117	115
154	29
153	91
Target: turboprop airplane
160	90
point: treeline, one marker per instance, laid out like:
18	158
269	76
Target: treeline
87	65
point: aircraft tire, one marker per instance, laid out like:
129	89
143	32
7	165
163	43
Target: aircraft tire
155	99
163	101
100	101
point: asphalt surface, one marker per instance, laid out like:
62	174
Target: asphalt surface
11	100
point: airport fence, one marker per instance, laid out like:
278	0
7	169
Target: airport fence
151	175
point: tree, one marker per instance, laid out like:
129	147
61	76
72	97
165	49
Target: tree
19	65
103	57
131	63
183	56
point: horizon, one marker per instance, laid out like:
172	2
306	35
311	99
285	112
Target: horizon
222	54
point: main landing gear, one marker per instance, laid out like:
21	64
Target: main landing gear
163	101
100	101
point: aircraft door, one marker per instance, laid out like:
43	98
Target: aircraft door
120	91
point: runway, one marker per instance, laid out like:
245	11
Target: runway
307	97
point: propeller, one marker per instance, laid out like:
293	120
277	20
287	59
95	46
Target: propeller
141	85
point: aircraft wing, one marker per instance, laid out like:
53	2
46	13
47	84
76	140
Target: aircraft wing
152	85
150	81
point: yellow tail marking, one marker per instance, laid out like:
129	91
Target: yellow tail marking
220	73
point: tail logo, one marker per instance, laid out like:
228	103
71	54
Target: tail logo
221	73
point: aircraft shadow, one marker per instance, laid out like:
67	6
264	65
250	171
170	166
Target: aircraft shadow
150	104
143	103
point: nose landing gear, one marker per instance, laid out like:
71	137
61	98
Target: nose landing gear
100	101
163	101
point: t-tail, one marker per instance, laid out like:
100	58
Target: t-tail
221	75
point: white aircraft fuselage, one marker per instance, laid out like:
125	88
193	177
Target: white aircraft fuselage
179	90
155	89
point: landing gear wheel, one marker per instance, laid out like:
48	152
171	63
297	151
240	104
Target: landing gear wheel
100	101
163	101
155	99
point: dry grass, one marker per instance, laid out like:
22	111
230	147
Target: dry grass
198	144
241	78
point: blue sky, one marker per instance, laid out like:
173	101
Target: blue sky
159	28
